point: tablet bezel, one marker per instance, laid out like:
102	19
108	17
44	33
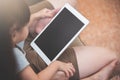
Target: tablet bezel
75	13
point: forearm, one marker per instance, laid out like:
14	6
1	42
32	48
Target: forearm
60	75
50	71
53	68
29	74
46	74
32	23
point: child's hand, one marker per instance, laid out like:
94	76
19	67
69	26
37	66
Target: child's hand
40	19
67	68
41	24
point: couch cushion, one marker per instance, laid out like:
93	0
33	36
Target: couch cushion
32	2
40	5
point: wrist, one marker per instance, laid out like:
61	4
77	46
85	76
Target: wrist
55	65
36	16
32	23
32	17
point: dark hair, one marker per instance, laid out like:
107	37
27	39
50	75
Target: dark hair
11	12
7	61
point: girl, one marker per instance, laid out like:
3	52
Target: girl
16	14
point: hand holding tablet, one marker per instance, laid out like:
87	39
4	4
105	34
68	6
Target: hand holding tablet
59	33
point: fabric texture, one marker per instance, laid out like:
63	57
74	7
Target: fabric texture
20	59
36	62
32	2
40	5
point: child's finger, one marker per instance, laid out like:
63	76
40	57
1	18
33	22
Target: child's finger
66	73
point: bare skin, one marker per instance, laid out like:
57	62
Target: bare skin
92	59
104	73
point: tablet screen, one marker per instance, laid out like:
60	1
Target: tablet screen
58	33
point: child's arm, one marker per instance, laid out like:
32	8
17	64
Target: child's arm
47	73
40	19
56	66
92	59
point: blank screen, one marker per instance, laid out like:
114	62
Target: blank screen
58	33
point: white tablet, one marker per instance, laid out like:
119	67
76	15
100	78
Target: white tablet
59	33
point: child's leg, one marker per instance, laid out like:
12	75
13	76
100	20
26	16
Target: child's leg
104	73
92	59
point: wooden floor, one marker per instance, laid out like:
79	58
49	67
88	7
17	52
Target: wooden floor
104	27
